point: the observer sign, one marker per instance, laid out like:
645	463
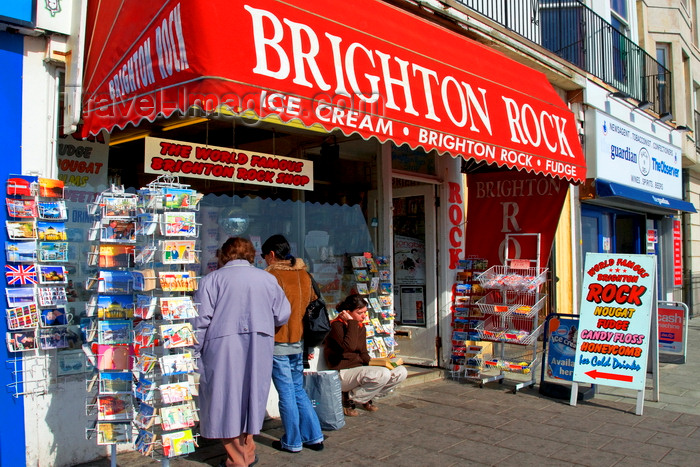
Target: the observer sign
614	328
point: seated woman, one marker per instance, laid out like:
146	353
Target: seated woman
346	351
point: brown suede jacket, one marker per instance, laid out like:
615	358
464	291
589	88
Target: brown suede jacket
346	345
296	283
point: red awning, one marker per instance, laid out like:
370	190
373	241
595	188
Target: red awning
363	67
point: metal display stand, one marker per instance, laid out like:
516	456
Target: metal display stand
511	313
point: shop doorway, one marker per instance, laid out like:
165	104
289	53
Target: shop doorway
606	230
415	280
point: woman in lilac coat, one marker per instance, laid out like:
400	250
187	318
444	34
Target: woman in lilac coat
239	308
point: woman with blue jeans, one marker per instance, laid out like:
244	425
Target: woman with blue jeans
299	419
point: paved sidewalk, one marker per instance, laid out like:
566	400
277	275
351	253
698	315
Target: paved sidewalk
447	423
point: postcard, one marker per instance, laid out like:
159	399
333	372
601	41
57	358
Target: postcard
145	363
118	206
371	265
179	223
149	199
146	416
116	256
52	274
53	252
177	417
19	296
72	362
114	407
118	282
177	364
178	251
21	341
145	389
145	306
114	331
50	296
373	284
358	262
21	230
115	383
177	335
54	210
145	334
144	254
385	274
362	288
55	316
20	274
113	433
50	188
382	261
375	303
88	329
21	208
180	198
113	357
22	185
361	275
144	280
114	306
385	300
144	442
385	288
118	230
175	392
178	443
20	252
146	223
177	281
54	337
25	316
174	308
51	231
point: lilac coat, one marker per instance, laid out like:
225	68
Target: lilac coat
239	308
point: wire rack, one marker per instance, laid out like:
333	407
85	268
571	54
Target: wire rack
506	277
511	303
508	329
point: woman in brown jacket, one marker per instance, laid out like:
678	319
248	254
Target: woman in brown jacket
301	425
346	351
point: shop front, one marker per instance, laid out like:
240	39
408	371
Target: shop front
367	114
347	132
631	202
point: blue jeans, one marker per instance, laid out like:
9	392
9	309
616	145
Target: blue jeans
301	425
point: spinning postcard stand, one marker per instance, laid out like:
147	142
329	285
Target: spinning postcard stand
144	383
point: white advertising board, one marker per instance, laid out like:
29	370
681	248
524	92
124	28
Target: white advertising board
612	344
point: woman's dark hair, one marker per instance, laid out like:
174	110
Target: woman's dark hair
351	302
279	246
237	248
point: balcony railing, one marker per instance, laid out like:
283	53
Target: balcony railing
696	128
574	32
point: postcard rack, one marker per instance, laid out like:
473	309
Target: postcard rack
36	251
373	281
29	375
466	357
146	261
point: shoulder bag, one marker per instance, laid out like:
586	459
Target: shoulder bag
317	325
